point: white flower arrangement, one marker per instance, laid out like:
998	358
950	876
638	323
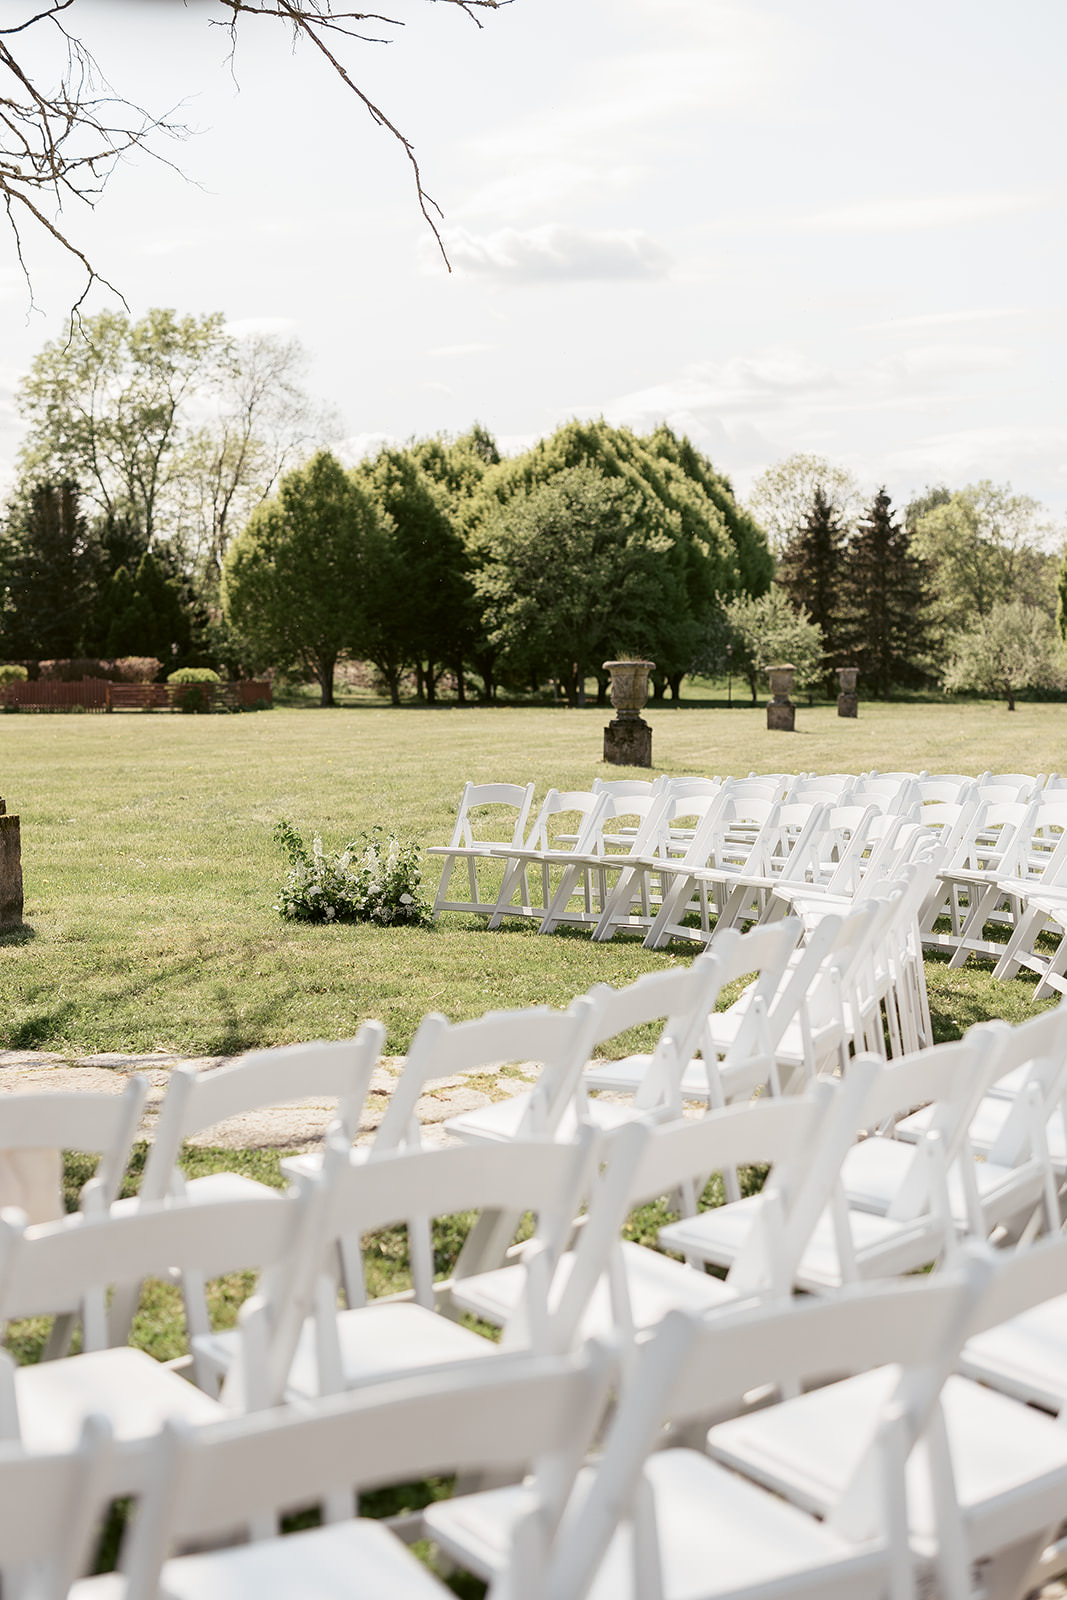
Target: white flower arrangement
375	878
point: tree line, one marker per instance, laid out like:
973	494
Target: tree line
168	505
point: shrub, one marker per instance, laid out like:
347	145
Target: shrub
74	669
373	879
195	697
136	669
193	675
10	673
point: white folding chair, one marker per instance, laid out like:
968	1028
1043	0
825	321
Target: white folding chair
486	811
380	1339
547	847
36	1129
337	1070
41	1268
993	1477
51	1506
233	1480
655	1519
802	1138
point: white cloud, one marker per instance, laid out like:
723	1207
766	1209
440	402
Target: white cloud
939	319
913	212
555	253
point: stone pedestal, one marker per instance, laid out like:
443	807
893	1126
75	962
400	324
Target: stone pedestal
848	704
628	740
628	743
781	712
10	873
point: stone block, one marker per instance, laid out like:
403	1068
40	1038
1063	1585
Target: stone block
10	873
628	743
848	705
782	715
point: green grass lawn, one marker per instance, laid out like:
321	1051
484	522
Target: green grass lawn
150	872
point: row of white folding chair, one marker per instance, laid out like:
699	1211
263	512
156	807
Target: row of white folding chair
292	1339
217	1487
657	832
338	1070
635	900
486	811
803	1138
1005	852
647	1521
668	833
855	1507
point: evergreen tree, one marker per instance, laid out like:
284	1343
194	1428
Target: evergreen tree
421	582
49	563
886	629
812	571
146	616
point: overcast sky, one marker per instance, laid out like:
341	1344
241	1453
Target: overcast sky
825	225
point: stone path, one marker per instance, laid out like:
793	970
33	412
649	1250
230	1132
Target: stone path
297	1126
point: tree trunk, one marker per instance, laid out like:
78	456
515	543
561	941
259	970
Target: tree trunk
420	681
602	681
1011	700
324	673
461	688
675	681
431	684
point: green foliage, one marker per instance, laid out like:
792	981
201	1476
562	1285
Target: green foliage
767	631
48	573
812	570
375	878
417	571
886	626
782	496
572	568
104	407
193	675
295	583
1015	647
985	546
146	613
12	673
711	548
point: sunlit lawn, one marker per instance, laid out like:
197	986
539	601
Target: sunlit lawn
151	874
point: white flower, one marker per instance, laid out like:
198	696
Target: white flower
407	900
330	913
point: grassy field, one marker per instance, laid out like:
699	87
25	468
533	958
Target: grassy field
150	872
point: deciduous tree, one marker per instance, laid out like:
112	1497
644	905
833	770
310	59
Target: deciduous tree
294	582
1013	647
986	546
767	630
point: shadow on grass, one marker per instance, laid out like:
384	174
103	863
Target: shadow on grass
37	1030
21	935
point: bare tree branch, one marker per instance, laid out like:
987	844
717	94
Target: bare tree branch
61	143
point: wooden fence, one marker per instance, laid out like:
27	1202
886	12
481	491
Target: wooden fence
98	694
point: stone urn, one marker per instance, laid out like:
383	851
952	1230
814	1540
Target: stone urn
628	739
781	712
10	872
848	703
